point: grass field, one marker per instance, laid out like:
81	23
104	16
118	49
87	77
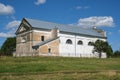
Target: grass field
59	68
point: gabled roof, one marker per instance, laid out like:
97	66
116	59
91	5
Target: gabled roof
63	28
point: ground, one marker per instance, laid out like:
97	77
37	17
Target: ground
59	68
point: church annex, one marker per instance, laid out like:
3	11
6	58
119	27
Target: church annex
41	38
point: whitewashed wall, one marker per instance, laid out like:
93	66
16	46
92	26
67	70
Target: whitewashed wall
75	50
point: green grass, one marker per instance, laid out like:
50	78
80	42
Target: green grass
59	68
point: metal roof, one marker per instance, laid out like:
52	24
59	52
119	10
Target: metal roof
64	28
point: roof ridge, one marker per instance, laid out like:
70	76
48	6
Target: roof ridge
53	23
35	23
44	21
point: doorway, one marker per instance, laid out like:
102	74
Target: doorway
49	50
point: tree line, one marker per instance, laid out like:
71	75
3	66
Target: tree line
116	53
9	46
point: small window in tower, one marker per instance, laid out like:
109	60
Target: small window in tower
42	38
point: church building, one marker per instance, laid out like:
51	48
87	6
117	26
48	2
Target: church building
42	38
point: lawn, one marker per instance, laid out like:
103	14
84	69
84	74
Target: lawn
59	68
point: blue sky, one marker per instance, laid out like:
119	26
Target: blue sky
104	14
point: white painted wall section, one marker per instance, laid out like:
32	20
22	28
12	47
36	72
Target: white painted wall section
75	50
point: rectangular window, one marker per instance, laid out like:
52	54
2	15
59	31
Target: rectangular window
42	38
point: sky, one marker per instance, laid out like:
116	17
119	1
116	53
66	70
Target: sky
103	14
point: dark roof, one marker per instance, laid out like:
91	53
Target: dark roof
64	28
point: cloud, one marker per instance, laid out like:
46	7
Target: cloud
72	24
6	9
118	31
78	7
13	24
11	27
38	2
102	21
81	7
109	33
5	35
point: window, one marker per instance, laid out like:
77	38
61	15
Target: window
42	38
80	42
68	41
23	39
49	50
90	43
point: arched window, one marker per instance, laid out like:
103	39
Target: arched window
80	42
69	41
90	43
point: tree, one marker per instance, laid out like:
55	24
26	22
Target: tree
116	53
108	49
102	46
8	46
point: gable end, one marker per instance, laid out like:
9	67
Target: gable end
24	27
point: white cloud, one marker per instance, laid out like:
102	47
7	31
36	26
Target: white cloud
72	24
11	27
81	7
6	9
118	31
13	24
38	2
109	33
78	7
102	21
5	35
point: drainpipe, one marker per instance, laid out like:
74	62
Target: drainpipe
32	41
75	45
